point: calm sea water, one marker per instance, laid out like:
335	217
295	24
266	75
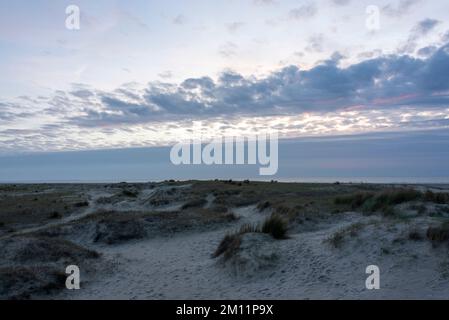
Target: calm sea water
420	157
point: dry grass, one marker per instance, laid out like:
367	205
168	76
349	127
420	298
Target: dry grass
25	282
274	225
44	249
36	207
337	239
194	203
438	234
382	201
264	205
436	197
228	246
415	235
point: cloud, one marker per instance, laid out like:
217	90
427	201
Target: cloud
264	2
11	112
180	19
341	2
403	8
445	37
425	26
422	29
83	93
303	12
382	82
167	74
228	50
427	51
315	43
235	26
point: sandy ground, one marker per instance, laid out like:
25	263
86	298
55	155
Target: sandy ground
181	268
179	264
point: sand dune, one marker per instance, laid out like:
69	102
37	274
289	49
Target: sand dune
157	240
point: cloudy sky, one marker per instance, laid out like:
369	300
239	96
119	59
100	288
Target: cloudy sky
145	73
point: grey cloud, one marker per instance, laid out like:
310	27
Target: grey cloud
180	19
235	26
264	2
401	9
445	37
376	83
315	43
427	51
10	112
303	12
370	54
385	81
422	29
82	93
166	74
341	2
228	50
425	26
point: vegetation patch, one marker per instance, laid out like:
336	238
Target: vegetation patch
415	235
275	226
228	246
130	193
195	203
81	204
264	205
24	282
44	249
112	232
337	239
438	234
382	201
436	197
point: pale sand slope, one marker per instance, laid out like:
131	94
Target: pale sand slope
178	264
181	267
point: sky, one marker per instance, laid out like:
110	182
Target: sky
140	74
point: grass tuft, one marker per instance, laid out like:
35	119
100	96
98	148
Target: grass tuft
228	246
276	226
438	233
337	239
415	235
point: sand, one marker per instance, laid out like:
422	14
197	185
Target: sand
177	263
